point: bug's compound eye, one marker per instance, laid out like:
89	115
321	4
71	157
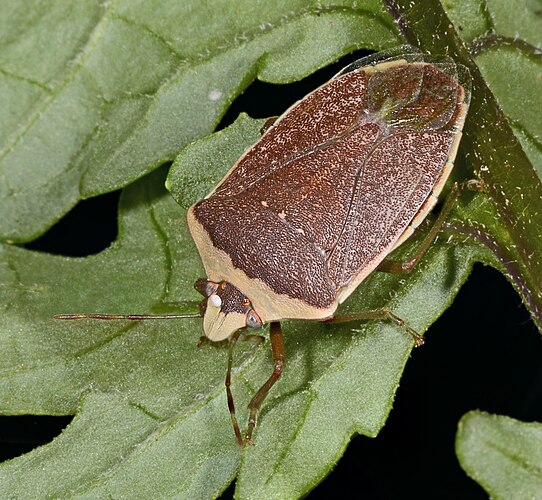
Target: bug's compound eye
215	300
253	320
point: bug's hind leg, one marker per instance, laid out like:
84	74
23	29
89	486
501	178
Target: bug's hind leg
400	267
382	314
279	362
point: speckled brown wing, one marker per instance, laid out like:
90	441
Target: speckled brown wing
322	116
393	185
404	171
275	213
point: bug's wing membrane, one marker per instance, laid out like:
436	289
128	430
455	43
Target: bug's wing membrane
405	53
391	92
419	96
322	116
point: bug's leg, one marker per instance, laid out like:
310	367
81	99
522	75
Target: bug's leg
279	361
268	124
398	266
227	383
383	314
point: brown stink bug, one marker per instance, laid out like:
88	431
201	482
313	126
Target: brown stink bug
335	184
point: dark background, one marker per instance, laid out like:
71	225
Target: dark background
483	353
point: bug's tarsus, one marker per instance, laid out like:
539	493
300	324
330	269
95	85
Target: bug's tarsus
231	405
382	314
405	267
418	339
279	362
474	185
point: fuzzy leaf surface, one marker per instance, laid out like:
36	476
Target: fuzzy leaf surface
501	454
151	415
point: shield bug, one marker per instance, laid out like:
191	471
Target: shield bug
335	184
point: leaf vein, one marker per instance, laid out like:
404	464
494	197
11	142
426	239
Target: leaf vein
25	79
517	458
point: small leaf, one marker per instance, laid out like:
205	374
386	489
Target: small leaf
501	454
190	179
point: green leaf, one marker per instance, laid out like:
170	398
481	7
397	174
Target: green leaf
190	179
143	392
155	400
97	94
503	455
502	150
506	49
513	19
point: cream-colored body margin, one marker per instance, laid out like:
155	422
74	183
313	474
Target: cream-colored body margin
268	304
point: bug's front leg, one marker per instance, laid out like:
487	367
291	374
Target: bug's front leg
231	342
227	383
382	314
279	362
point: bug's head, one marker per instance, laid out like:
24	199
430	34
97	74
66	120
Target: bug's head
226	309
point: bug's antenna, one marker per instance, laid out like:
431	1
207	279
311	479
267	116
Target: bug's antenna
132	317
